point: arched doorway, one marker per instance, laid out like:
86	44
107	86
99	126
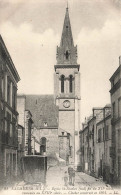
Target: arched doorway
42	145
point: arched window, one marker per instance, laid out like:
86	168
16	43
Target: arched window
62	84
70	83
42	145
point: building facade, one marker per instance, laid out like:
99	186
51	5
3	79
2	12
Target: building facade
115	150
25	121
8	114
21	146
95	141
43	134
103	144
21	138
84	147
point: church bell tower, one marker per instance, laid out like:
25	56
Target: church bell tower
67	89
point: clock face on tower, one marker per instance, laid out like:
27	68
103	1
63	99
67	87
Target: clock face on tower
66	103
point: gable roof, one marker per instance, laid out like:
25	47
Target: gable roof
43	110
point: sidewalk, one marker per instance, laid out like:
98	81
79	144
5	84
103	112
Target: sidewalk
87	180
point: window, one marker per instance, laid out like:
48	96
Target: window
93	135
62	133
62	84
116	79
103	134
107	132
14	130
70	83
113	164
119	139
2	86
8	126
11	131
43	140
20	136
86	138
83	137
14	98
114	110
119	166
2	125
99	135
119	107
43	145
67	55
8	90
87	153
45	124
70	151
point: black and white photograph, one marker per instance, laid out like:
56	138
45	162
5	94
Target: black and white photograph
60	97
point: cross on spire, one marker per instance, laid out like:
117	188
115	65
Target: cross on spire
67	5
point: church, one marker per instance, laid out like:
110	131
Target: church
56	118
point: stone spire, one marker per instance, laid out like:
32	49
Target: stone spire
66	38
67	53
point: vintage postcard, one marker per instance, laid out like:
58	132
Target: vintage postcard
60	97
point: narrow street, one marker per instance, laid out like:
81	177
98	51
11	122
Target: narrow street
84	184
55	178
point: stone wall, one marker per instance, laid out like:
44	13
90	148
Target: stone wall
52	143
64	146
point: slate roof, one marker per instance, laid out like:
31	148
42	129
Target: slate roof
43	109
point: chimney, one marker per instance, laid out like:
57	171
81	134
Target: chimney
119	60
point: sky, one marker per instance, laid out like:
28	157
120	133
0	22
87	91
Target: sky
32	30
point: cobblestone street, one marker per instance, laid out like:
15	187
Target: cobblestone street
83	182
55	178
